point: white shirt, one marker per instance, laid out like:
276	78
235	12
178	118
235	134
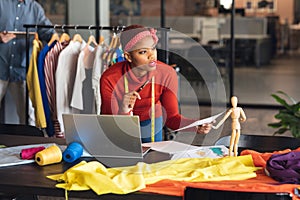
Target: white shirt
65	77
97	72
82	97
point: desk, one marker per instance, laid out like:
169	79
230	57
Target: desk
31	178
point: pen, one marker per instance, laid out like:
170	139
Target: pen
138	90
142	86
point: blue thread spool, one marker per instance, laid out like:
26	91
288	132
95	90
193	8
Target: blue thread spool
73	152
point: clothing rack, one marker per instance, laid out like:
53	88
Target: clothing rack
164	44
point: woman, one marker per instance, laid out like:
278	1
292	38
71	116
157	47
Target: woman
143	86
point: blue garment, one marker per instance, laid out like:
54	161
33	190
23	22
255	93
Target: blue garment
119	55
146	130
13	15
41	75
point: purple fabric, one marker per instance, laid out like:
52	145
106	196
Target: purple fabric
285	168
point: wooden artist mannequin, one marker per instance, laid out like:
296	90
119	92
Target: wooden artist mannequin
236	114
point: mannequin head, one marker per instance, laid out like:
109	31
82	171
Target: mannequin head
234	101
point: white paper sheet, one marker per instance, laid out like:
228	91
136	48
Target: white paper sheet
170	147
217	151
200	122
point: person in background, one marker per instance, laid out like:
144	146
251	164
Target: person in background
141	85
13	15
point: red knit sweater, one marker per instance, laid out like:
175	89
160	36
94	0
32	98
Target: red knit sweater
166	86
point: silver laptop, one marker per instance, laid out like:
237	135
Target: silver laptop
114	140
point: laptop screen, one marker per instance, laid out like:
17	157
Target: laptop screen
115	140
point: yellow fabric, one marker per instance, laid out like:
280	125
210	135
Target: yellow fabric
33	85
93	175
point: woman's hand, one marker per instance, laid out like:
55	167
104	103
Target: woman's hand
129	101
204	128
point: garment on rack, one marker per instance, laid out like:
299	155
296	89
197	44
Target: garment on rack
98	69
50	66
40	68
65	77
108	55
69	75
82	96
118	55
33	85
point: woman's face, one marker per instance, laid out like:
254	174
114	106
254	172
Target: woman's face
144	56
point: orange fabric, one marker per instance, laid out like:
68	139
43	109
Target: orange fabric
261	183
260	159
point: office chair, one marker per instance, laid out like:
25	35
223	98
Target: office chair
262	143
20	129
207	194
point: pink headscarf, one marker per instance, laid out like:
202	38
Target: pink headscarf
136	37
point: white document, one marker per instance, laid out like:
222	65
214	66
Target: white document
217	151
170	147
200	122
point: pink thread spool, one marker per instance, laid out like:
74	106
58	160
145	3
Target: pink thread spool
29	153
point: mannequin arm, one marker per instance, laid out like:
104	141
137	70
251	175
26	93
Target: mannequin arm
243	115
222	120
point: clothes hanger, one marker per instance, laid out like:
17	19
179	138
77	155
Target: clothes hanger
54	37
112	42
91	40
77	37
64	36
116	43
101	38
112	49
36	35
106	55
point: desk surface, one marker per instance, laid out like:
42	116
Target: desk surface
31	178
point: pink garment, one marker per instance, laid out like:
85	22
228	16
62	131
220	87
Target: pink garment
50	66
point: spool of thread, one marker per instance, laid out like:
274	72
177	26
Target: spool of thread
48	156
72	152
29	153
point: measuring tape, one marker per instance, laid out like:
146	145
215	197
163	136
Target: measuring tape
152	104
